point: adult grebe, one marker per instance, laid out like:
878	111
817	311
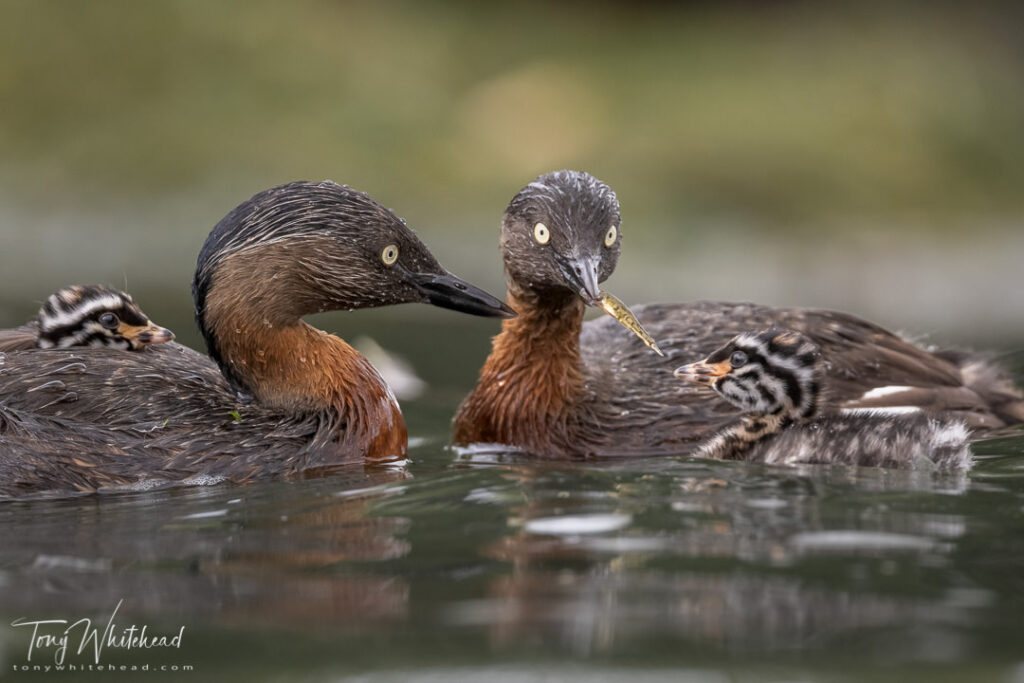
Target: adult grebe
276	396
556	387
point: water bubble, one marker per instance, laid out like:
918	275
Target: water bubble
573	525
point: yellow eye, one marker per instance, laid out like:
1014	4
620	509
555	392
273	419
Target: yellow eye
390	254
609	237
541	233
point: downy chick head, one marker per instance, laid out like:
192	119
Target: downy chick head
91	315
773	372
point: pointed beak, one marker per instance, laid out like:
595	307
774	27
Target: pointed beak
447	291
144	335
581	273
703	372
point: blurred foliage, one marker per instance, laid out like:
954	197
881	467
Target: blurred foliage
790	113
863	156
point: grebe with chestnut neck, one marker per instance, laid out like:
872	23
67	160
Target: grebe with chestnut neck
275	396
555	387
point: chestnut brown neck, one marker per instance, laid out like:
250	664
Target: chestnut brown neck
533	380
288	365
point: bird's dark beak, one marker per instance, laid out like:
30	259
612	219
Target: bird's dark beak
581	274
447	291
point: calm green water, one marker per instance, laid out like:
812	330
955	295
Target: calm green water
478	566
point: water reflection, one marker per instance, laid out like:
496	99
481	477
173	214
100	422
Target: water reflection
232	554
667	560
737	557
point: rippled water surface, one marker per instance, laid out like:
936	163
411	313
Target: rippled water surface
484	566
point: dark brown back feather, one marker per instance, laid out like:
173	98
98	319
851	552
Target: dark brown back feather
19	338
632	404
185	426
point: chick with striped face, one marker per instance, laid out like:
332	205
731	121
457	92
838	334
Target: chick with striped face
771	372
96	316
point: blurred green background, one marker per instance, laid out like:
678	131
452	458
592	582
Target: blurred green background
867	157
